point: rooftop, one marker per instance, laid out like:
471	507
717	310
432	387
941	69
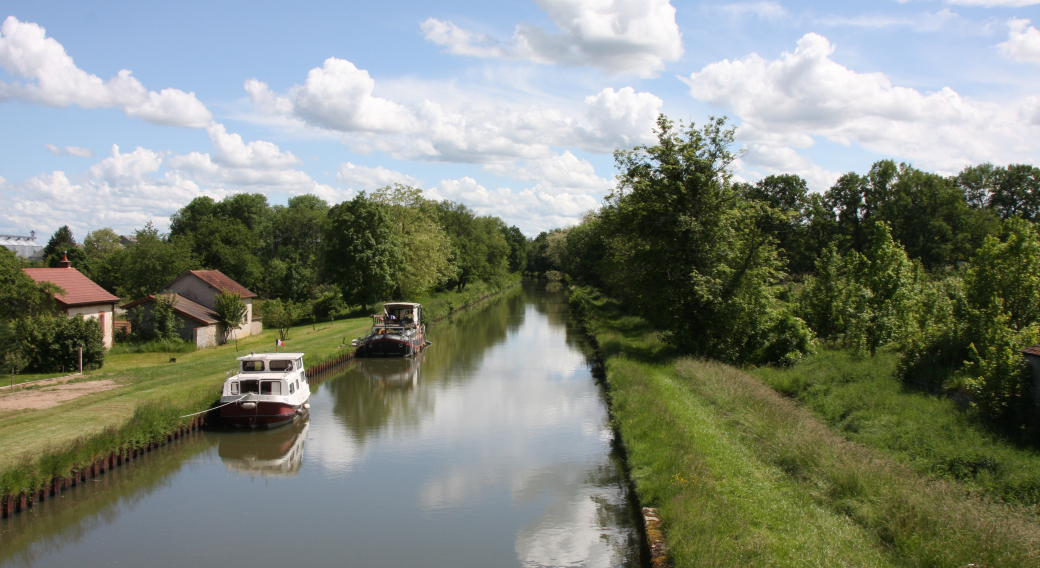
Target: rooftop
79	290
218	280
267	356
184	307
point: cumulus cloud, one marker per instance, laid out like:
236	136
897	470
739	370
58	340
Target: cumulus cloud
763	10
622	36
1023	43
365	177
54	79
788	101
127	189
339	97
70	151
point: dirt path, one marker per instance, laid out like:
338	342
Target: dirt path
51	394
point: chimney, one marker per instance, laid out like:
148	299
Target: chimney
64	262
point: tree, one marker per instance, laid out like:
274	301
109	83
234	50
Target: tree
517	249
63	244
281	315
424	244
686	253
1017	192
151	262
364	253
231	311
19	294
788	196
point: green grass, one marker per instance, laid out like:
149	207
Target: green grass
154	346
744	476
154	389
861	398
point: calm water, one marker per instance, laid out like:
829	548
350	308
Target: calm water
492	450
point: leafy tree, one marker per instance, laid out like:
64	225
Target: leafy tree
101	243
1017	192
787	195
517	249
281	315
231	311
686	253
51	342
365	254
151	262
297	248
425	246
161	323
19	294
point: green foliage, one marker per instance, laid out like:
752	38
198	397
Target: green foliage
231	311
327	301
685	251
51	343
160	324
365	253
282	315
19	294
144	267
176	345
425	246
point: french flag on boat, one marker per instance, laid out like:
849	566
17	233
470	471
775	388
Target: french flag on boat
278	343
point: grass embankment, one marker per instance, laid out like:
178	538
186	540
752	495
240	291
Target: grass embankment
861	398
745	476
37	445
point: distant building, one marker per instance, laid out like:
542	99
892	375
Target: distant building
195	293
82	296
127	240
25	247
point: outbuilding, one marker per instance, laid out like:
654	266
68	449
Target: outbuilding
82	297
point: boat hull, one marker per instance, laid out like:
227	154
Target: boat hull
263	415
390	346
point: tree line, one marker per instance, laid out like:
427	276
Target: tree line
306	258
942	269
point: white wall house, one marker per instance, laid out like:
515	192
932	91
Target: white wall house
82	297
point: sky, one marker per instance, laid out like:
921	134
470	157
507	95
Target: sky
115	114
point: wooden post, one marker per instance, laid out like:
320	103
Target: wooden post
81	360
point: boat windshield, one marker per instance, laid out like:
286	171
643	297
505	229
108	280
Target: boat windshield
250	386
252	366
280	365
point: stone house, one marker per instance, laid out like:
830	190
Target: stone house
195	293
82	297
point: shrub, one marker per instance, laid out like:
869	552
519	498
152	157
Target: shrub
51	342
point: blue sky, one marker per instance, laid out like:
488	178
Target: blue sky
119	113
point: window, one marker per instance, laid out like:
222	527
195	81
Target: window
252	386
280	365
271	387
297	384
234	387
252	366
291	389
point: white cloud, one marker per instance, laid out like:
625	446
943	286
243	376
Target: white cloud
621	36
763	160
924	22
338	97
1023	43
70	151
365	177
128	189
560	173
55	80
787	101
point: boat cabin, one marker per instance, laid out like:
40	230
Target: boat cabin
276	374
397	317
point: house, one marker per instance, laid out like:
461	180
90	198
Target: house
195	294
23	246
82	296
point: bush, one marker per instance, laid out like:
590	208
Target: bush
51	342
155	346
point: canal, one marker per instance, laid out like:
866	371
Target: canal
494	449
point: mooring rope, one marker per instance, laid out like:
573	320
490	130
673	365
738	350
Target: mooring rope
215	407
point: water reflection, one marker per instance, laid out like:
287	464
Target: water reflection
492	449
265	452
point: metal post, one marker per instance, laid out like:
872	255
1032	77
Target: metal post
81	360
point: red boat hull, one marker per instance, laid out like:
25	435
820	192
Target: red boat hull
265	414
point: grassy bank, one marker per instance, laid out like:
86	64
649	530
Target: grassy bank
745	476
861	398
153	393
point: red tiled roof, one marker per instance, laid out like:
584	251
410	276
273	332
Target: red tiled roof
1034	350
184	307
218	280
79	290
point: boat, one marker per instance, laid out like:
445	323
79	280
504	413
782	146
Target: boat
398	332
268	390
267	452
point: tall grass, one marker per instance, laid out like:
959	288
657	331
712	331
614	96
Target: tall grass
154	346
745	476
860	397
